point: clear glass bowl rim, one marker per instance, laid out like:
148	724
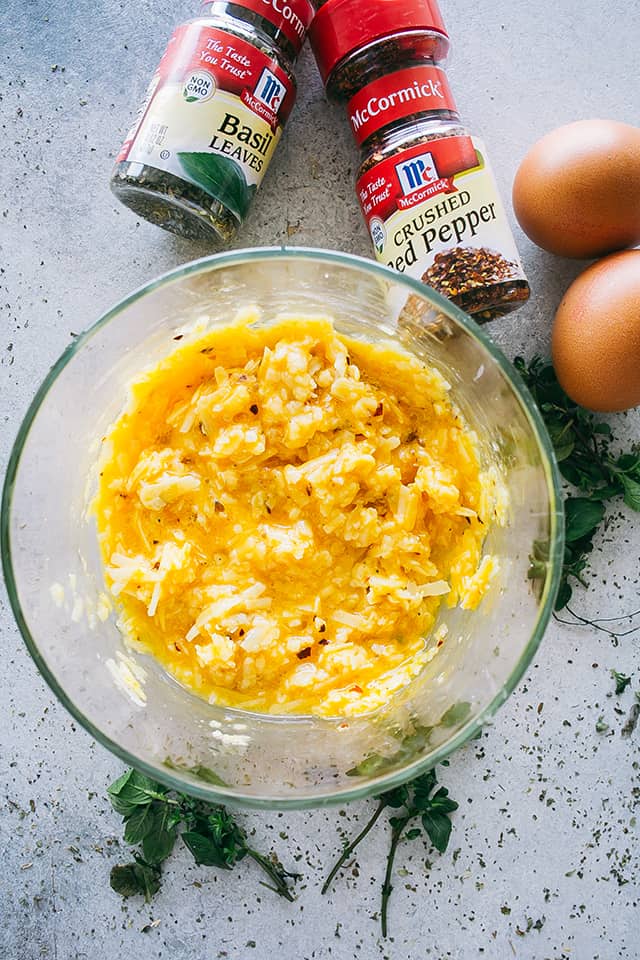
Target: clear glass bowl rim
174	779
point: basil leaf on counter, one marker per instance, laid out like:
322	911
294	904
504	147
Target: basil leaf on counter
582	517
135	878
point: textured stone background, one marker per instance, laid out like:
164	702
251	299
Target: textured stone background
544	862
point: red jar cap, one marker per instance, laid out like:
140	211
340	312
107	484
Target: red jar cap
341	27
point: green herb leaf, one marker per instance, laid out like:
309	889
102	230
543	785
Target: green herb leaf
396	798
227	835
398	822
124	880
135	878
158	843
622	682
411	746
582	446
562	439
564	596
369	766
221	177
422	788
582	517
153	817
120	805
628	463
208	775
131	790
438	828
415	743
456	714
198	770
205	851
139	823
442	802
631	492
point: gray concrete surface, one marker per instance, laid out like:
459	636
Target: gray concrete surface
544	862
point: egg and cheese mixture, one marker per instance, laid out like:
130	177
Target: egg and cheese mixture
282	511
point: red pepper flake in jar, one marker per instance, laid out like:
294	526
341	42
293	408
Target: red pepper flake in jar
425	185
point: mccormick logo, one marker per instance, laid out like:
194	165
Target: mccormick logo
416	173
269	90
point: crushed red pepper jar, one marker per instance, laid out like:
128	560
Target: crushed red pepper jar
427	192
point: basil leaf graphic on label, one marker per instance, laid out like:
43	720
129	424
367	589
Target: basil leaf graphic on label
222	178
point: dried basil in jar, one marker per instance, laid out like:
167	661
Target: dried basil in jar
425	186
212	117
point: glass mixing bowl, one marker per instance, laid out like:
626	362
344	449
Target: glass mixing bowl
124	698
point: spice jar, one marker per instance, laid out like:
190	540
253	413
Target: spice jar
425	185
212	117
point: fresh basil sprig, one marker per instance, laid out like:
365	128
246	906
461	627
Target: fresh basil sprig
583	448
154	818
418	800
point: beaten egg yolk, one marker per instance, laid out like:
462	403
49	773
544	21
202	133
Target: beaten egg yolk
281	512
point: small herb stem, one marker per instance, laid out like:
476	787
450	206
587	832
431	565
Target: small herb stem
163	797
596	626
628	616
387	886
346	853
586	441
275	875
567	427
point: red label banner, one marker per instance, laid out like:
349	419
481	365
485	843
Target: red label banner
398	95
414	176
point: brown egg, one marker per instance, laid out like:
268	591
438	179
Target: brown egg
596	335
577	191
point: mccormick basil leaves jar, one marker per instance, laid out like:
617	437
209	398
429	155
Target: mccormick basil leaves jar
212	117
425	186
